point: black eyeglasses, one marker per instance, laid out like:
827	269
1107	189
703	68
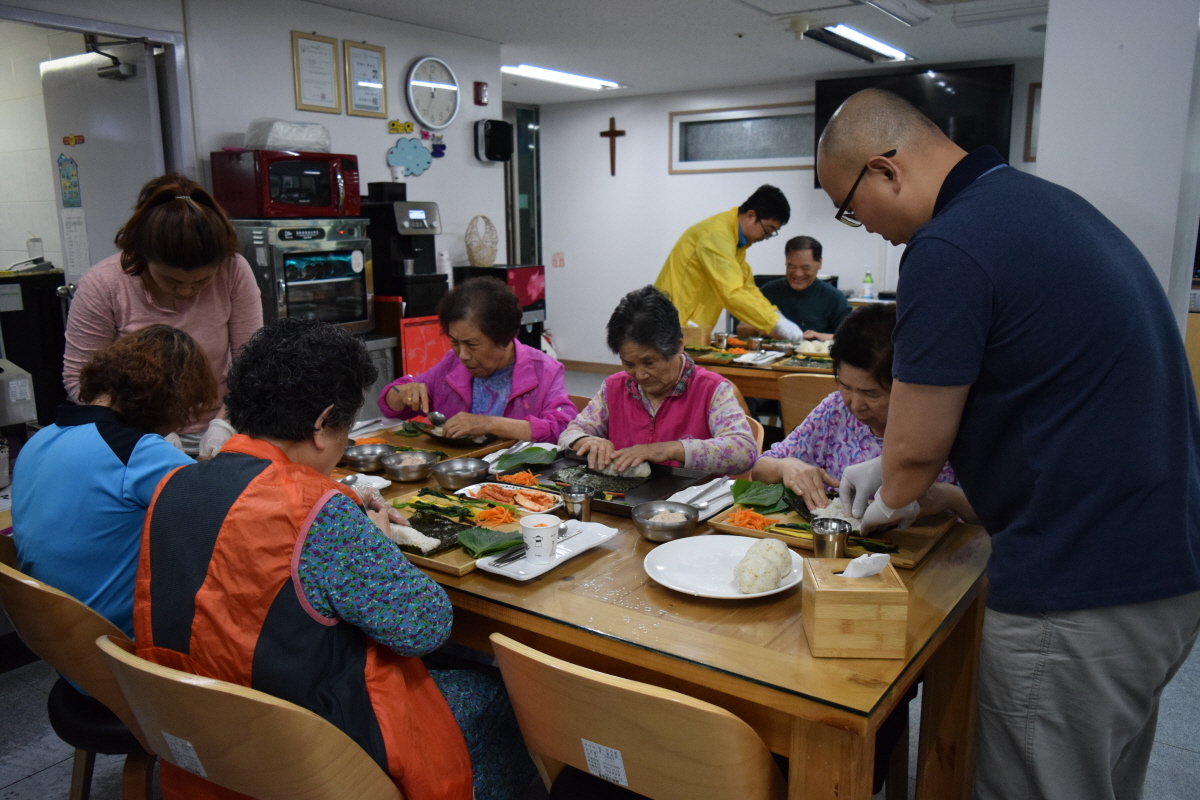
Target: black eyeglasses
844	215
767	232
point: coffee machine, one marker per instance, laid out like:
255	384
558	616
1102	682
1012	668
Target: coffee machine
402	234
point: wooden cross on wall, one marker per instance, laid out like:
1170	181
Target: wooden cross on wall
612	133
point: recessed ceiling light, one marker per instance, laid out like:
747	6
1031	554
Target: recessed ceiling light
855	43
565	78
909	12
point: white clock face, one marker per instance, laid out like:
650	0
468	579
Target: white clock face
432	93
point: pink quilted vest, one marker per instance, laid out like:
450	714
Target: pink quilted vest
679	417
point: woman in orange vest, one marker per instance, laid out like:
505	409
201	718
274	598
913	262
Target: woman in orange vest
271	576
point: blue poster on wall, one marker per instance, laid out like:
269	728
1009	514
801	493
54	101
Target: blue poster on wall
68	179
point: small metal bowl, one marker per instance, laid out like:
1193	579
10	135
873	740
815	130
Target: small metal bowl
781	347
754	343
664	531
366	457
395	469
458	473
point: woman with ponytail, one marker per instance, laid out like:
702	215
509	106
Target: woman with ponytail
178	265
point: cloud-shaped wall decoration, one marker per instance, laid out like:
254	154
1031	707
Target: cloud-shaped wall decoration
410	154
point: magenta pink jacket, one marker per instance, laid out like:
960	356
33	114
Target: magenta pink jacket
538	394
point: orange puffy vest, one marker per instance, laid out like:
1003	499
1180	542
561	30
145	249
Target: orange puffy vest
223	538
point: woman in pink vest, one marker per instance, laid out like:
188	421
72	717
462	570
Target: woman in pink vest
489	382
662	408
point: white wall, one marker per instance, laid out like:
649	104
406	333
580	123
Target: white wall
27	181
240	57
615	232
1115	108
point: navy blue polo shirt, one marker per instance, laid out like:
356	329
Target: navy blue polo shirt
81	488
819	308
1079	445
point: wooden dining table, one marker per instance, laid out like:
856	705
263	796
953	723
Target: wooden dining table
601	610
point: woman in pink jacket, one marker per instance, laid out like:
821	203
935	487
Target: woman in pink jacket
489	382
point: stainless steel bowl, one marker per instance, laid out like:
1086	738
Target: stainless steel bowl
460	472
398	471
366	457
664	531
754	343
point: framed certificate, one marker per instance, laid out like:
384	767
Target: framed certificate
315	68
366	80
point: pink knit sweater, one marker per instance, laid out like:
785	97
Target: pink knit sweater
109	304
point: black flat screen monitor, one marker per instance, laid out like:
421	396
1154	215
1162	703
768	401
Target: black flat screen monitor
973	106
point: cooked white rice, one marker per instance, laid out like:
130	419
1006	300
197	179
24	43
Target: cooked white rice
763	568
642	470
835	510
669	516
411	460
411	537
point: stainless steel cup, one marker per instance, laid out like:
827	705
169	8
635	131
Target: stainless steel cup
578	501
755	343
720	341
829	537
410	265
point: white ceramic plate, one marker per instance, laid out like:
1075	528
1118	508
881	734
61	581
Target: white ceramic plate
371	480
703	566
473	489
717	502
587	535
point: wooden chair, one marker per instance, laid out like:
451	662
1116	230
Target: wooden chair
671	746
62	632
759	432
800	393
741	400
580	401
243	739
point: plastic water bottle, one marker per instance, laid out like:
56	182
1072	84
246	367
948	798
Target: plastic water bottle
868	290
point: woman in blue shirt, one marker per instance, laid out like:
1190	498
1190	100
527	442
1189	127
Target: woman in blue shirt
81	486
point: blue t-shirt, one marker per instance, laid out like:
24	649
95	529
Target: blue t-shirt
80	492
1079	445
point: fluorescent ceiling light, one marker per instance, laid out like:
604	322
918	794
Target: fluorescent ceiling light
910	12
869	43
995	13
448	86
554	76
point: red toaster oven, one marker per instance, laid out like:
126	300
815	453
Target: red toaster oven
282	184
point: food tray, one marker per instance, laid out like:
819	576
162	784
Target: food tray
592	534
663	482
914	541
472	490
456	560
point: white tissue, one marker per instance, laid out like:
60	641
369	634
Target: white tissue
866	565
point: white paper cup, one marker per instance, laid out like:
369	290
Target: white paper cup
540	532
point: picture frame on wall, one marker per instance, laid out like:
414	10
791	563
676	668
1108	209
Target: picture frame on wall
1033	117
366	80
315	69
744	139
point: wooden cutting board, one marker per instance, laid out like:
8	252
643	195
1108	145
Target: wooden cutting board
914	541
456	560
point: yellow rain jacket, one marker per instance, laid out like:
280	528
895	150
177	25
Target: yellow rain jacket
706	271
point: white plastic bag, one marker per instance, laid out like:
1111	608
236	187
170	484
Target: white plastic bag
278	134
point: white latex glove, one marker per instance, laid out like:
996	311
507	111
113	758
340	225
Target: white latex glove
879	515
218	433
859	484
174	439
786	329
373	501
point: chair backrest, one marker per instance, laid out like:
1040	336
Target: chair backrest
580	401
671	746
241	738
62	631
800	393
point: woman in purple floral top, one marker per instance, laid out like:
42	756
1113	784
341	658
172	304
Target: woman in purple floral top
847	426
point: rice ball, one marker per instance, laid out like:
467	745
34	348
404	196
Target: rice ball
763	567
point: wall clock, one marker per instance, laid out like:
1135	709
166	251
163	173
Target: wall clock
432	92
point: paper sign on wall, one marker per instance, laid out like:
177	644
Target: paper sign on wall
75	243
605	762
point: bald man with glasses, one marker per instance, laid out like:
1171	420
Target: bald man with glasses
1020	307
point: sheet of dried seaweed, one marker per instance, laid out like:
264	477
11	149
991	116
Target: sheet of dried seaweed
437	527
587	477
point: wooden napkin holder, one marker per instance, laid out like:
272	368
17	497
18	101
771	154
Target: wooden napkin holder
697	337
853	617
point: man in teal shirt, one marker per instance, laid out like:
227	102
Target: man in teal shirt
816	306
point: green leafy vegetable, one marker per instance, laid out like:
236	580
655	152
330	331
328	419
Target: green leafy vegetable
479	542
872	545
409	429
530	455
764	498
789	527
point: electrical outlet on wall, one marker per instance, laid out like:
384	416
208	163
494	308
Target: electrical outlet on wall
558	260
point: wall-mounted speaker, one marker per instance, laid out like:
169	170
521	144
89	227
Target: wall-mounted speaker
493	140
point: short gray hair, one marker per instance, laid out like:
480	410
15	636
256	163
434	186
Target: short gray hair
647	317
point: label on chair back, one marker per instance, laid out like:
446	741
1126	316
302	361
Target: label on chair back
184	755
603	762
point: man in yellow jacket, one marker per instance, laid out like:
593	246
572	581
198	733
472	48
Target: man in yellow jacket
707	271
